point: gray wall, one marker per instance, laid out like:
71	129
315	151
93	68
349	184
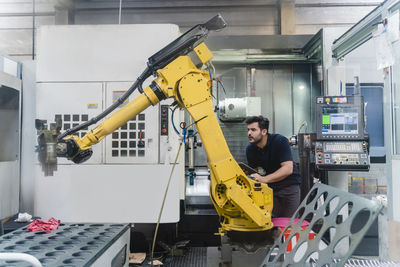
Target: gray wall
19	20
286	91
252	17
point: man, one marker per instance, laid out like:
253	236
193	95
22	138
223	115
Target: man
271	156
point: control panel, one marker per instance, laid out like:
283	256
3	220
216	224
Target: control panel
164	120
340	117
342	155
341	143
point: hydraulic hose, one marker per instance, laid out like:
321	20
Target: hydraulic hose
138	84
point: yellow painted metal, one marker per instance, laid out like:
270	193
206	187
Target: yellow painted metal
151	95
243	204
117	119
203	53
232	192
170	76
239	198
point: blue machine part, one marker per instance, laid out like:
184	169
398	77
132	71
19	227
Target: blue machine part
373	95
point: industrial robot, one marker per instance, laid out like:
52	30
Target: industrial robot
182	71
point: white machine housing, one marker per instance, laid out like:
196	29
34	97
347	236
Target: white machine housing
10	133
81	70
239	108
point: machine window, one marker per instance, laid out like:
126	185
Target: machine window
85	117
141	144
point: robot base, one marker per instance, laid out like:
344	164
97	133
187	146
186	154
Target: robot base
242	248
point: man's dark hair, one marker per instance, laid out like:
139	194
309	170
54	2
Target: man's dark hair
263	123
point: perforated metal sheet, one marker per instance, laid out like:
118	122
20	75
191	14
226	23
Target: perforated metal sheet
331	214
195	257
72	244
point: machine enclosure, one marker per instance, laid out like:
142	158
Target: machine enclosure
81	70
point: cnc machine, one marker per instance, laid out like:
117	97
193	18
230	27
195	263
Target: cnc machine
183	73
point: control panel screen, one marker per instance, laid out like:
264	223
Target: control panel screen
337	120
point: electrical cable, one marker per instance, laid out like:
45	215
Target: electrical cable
162	205
212	66
304	123
172	121
138	84
184	131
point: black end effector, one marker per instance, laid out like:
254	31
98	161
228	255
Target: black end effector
185	43
82	156
68	148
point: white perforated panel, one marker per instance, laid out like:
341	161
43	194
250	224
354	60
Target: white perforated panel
137	140
74	103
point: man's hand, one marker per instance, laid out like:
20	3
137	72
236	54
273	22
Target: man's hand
284	171
257	177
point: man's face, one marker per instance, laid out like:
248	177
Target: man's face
254	133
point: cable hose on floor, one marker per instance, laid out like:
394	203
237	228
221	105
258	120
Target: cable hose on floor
162	205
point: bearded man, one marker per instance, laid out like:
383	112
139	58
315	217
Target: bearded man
271	156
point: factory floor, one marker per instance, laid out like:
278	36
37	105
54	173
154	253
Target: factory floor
194	257
198	257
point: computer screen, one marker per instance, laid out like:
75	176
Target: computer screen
338	120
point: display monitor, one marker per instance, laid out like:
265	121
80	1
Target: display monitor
340	117
339	120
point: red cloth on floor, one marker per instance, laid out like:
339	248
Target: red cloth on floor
283	221
43	225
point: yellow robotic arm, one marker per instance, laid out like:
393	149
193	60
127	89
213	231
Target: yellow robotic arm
242	203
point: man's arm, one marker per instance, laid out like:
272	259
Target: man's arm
284	171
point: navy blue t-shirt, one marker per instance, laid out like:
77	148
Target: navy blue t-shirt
270	158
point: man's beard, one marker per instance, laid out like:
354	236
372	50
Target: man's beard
256	140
